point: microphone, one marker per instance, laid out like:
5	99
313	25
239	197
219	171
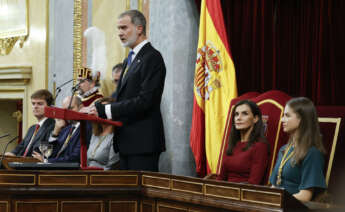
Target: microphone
5	135
3	154
76	87
58	89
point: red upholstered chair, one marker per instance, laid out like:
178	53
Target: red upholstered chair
332	127
272	105
224	145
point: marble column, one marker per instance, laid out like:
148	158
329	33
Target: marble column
174	32
60	46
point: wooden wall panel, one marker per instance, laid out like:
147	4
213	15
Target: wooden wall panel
166	207
34	206
82	206
148	205
4	206
123	206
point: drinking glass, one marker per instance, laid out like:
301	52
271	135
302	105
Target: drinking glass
46	150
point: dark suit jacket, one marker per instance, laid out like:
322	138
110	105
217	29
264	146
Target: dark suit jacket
138	98
42	135
72	152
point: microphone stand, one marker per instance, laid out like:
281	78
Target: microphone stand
3	154
74	89
5	135
58	89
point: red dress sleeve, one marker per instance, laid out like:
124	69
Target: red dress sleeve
259	163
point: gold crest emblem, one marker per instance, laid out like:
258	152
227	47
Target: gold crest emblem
208	66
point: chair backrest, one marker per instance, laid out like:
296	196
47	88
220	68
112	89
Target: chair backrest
332	127
224	144
272	105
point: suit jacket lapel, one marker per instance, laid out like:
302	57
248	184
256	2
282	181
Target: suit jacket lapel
137	60
132	68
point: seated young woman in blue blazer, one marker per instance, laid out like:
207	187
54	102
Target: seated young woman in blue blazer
300	163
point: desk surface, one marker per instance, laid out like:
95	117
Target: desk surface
43	166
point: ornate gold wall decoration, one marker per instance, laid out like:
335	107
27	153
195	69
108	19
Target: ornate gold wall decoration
14	20
77	37
18	115
79	45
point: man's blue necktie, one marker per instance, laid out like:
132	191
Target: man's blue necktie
129	58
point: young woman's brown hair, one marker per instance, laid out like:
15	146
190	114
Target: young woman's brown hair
308	132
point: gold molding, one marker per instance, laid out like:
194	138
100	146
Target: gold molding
262	202
170	206
154	186
222	187
92	183
9	39
128	4
143	202
140	5
18	75
129	201
83	201
77	37
47	46
186	182
7	44
34	202
5	202
334	142
278	130
63	183
21	175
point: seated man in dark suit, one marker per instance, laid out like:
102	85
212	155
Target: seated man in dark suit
65	137
39	131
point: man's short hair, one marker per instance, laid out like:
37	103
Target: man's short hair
117	68
45	95
137	18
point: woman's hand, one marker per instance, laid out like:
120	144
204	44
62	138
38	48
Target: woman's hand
304	195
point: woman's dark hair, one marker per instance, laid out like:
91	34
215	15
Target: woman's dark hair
257	134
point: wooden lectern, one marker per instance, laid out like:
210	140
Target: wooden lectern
59	113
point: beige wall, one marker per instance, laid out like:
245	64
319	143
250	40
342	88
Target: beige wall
7	108
34	54
104	16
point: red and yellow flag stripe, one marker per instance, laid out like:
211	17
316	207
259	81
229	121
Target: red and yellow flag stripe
214	87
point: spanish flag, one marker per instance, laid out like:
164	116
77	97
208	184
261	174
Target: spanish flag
214	87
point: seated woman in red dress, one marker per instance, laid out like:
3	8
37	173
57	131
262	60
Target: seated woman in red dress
248	150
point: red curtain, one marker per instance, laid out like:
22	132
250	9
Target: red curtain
296	46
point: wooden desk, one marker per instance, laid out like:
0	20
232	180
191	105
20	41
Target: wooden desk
131	191
8	159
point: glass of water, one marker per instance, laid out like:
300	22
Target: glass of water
46	150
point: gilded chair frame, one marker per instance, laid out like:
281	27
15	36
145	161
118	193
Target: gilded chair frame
337	122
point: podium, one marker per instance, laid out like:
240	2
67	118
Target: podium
60	113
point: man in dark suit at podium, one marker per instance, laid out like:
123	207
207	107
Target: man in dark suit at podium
138	97
39	131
